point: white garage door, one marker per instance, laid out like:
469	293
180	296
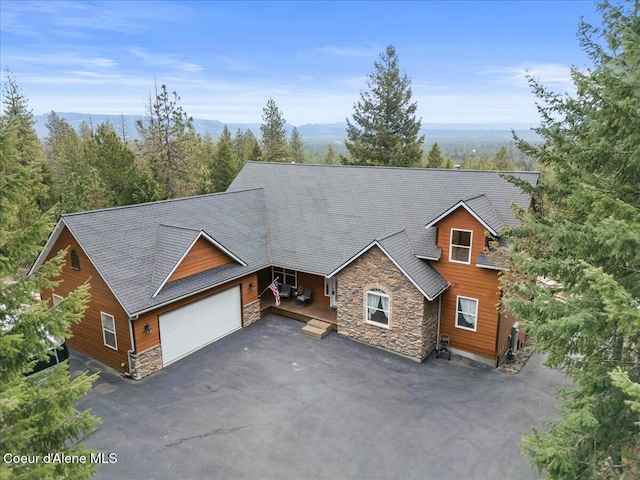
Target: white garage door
189	328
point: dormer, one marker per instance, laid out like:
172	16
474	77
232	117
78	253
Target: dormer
463	228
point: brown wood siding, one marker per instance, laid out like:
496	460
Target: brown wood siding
87	335
316	284
202	256
144	341
468	281
507	320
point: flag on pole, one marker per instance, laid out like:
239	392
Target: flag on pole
274	288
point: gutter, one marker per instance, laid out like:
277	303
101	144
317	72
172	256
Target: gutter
133	346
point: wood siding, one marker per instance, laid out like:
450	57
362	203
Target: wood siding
316	284
202	256
144	341
87	335
468	281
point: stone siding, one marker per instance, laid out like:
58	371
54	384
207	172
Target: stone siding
250	313
146	363
413	320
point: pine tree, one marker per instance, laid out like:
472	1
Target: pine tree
435	159
222	169
330	158
586	243
274	136
501	160
37	413
296	147
168	141
385	130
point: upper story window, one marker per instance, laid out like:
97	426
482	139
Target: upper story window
378	308
75	260
109	330
460	248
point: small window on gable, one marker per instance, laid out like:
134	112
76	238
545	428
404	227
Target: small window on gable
109	330
460	248
56	299
378	308
75	261
467	313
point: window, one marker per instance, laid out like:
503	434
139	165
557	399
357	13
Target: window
75	261
286	276
378	308
467	313
460	250
109	330
56	299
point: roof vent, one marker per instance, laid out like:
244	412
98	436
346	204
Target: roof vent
457	167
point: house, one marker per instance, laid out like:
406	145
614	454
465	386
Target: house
398	256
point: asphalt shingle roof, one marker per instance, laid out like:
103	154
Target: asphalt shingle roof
319	216
135	247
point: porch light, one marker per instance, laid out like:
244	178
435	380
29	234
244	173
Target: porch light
147	328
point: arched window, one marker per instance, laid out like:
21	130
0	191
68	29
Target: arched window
378	308
75	261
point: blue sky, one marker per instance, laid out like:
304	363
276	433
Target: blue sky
466	59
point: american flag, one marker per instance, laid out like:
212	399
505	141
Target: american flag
274	288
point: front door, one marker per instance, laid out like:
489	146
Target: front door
331	290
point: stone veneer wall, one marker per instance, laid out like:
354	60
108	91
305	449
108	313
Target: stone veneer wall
251	313
413	322
146	363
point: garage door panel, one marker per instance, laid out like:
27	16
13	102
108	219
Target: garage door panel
189	328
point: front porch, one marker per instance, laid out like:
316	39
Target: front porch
297	311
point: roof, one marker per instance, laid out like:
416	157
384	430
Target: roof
319	216
135	248
310	218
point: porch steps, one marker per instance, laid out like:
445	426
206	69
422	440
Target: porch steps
317	329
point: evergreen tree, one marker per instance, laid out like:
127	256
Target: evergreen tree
246	147
501	160
587	240
296	147
274	136
435	159
385	130
222	168
77	183
37	413
16	112
168	141
330	158
114	163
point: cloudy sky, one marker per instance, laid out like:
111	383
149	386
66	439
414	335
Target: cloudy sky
467	60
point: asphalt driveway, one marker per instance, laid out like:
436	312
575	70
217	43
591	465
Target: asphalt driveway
268	402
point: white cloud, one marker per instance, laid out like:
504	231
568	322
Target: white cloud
550	74
165	61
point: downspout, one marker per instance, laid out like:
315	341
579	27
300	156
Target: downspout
133	346
438	332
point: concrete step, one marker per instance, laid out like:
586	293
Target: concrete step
320	324
314	331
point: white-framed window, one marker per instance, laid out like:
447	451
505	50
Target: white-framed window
109	330
460	247
378	308
285	276
467	313
56	299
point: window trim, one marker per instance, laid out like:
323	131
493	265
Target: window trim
104	330
379	293
56	299
75	260
283	273
451	245
475	324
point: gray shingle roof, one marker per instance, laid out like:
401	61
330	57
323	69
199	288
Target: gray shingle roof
135	247
321	215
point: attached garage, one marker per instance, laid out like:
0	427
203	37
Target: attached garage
189	328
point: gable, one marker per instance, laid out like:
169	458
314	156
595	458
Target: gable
461	219
201	257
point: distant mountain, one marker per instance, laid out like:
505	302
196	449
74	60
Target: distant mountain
310	132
